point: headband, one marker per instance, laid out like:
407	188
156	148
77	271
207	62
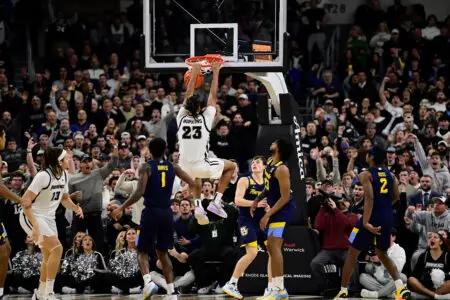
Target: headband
62	155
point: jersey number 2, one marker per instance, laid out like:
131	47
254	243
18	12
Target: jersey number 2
383	189
194	132
55	196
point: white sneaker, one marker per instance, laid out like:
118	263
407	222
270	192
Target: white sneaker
51	296
136	290
217	208
186	280
200	215
207	289
116	290
218	290
149	289
37	295
369	294
159	279
21	290
68	290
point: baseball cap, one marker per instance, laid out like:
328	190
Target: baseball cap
243	96
329	101
86	158
48	105
443	199
40	152
391	150
141	137
79	137
123	145
443	143
125	135
395	31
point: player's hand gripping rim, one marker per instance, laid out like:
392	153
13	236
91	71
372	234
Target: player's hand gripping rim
372	229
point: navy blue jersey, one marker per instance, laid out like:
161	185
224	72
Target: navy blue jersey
254	190
383	187
271	182
159	185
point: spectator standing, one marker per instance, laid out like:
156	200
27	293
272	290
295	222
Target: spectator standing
90	181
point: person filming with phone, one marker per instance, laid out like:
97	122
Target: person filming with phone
335	222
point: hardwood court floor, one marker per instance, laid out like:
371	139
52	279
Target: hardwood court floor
156	297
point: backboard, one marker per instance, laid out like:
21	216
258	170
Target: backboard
249	34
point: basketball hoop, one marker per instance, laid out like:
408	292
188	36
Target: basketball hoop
205	61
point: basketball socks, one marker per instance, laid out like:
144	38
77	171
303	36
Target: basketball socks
147	278
218	198
344	290
234	280
41	289
1	292
278	283
170	289
399	284
270	286
49	286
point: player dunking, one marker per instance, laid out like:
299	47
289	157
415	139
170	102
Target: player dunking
5	248
48	189
380	191
279	198
155	184
248	188
194	127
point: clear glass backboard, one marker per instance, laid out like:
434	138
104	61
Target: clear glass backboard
249	34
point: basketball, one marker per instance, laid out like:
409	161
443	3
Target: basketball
198	81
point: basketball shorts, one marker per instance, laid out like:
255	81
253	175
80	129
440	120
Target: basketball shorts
279	221
3	234
156	229
251	233
47	225
361	239
210	167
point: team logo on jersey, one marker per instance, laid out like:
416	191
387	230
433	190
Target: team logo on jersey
244	230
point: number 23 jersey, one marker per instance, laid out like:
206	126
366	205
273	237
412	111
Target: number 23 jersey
193	133
49	190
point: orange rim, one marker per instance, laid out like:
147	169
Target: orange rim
205	60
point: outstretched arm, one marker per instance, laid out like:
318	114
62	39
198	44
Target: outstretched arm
191	86
212	99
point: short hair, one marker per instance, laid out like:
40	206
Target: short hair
185	199
260	157
284	148
157	147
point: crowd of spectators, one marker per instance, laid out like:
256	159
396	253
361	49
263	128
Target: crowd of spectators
389	89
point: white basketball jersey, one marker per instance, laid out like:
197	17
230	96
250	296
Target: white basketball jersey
49	190
193	133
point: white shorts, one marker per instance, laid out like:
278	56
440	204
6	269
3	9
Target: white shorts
47	226
209	168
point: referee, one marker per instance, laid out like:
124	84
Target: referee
90	182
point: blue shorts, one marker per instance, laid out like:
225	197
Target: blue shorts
3	234
361	239
280	220
251	233
156	229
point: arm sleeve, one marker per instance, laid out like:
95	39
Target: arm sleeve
40	182
106	170
66	186
421	156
